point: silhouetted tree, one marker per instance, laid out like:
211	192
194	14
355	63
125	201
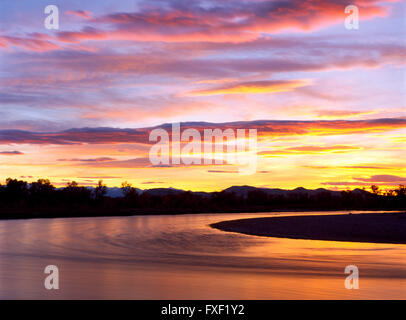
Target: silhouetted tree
130	194
41	192
41	195
74	195
375	189
16	191
100	191
401	191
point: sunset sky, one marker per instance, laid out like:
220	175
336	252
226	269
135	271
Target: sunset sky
328	103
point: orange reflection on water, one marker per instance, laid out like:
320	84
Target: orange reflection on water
181	257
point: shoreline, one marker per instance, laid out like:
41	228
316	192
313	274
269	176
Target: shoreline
389	227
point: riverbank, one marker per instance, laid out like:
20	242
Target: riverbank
387	227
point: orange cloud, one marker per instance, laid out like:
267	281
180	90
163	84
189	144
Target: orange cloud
100	159
253	87
310	150
342	114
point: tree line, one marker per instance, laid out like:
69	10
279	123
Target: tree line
41	198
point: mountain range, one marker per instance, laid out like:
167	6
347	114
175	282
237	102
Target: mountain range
116	192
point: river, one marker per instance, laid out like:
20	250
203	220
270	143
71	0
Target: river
181	257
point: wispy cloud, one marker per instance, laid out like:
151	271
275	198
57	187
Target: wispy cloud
152	182
380	180
361	166
310	150
79	13
36	42
11	153
100	159
253	87
383	178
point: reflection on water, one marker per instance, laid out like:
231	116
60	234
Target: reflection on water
181	257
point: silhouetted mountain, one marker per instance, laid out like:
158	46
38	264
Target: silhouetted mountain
240	191
162	191
116	192
244	190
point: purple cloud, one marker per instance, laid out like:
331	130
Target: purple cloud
10	153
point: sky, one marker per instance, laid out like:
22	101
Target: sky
78	102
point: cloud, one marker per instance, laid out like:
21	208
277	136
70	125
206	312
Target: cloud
79	13
253	87
354	183
366	166
265	128
10	153
35	43
88	33
234	171
101	177
26	86
342	114
204	68
152	182
76	136
310	150
223	171
220	21
145	162
30	81
101	159
322	113
382	178
129	163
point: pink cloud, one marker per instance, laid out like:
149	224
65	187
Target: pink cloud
33	43
383	178
80	13
244	21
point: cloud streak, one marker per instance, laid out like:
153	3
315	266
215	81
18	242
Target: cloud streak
265	128
79	13
253	87
11	153
310	150
383	178
100	159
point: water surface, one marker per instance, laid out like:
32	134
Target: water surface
181	257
